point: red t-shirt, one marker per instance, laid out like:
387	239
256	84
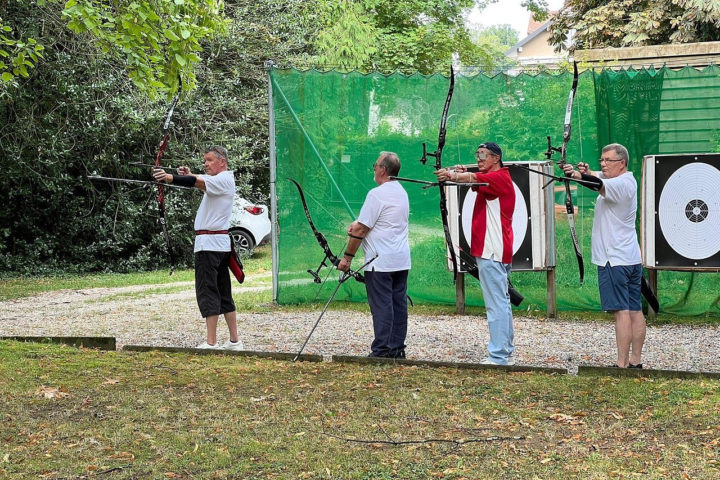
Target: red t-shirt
492	217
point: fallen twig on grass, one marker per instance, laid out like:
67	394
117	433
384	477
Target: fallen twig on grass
451	441
114	469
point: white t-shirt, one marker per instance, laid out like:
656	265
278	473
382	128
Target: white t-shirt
614	238
214	212
386	213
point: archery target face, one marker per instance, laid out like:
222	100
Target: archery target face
519	221
689	211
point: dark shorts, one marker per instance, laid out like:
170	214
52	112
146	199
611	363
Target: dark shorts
620	287
212	283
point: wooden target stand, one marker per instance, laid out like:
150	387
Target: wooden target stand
679	215
551	311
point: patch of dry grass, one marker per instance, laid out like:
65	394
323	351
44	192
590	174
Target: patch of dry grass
70	413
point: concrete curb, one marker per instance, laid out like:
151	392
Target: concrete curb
109	344
589	370
434	364
100	343
240	353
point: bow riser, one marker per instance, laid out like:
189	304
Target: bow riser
437	155
161	190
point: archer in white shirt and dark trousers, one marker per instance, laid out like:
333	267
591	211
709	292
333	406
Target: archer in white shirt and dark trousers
212	243
382	230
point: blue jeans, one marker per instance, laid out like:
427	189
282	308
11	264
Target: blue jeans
493	278
387	296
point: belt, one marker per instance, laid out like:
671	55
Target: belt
211	232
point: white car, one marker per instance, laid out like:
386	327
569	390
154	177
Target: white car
249	225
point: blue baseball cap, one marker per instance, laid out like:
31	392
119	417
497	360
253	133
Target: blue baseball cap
494	148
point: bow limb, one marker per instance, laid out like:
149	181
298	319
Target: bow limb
573	232
161	189
568	194
322	241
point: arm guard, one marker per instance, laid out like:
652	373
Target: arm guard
184	180
593	182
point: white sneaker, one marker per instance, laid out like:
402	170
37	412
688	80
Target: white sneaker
237	346
207	346
490	361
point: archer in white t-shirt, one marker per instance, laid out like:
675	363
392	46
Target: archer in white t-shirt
382	229
616	251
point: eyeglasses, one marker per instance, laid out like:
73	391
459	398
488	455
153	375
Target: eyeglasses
610	160
483	155
376	165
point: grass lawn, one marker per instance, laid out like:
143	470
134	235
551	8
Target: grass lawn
17	287
68	413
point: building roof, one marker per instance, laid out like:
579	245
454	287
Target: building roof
534	24
544	26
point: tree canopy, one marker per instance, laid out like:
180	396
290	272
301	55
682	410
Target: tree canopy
387	35
84	88
158	41
624	23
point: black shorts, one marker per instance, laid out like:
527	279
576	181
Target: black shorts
212	283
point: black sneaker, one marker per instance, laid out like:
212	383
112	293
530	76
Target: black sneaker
639	365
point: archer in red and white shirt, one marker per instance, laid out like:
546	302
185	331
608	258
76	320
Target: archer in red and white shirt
492	241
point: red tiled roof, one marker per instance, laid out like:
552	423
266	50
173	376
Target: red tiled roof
534	24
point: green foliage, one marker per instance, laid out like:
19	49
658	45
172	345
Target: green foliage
504	36
620	23
79	113
409	35
157	40
495	41
16	56
350	41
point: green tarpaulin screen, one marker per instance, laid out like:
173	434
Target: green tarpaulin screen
331	126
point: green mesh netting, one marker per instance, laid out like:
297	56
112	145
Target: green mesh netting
330	128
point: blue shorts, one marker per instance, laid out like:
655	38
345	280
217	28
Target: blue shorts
620	287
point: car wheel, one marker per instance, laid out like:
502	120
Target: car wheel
242	241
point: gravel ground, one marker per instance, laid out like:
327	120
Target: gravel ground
148	315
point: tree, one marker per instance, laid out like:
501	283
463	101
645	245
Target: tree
387	35
78	113
503	36
157	39
623	23
496	40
